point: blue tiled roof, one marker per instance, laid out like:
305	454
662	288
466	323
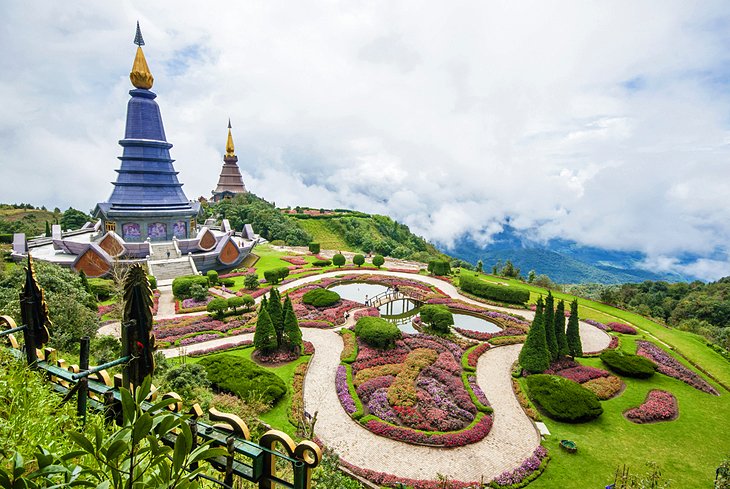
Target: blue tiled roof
147	181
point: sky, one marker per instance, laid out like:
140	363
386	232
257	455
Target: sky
602	122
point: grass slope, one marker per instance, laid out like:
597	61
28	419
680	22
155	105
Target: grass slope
323	234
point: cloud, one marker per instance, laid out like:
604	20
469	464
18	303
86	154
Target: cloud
602	123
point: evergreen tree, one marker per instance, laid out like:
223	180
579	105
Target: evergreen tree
292	333
264	338
573	334
535	356
552	342
560	330
480	266
48	230
276	314
85	282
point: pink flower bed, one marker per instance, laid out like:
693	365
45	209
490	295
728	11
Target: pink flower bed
238	273
101	310
478	335
456	439
294	260
576	372
171	330
526	469
253	293
315	324
227	346
389	480
370	311
669	366
621	328
474	355
658	406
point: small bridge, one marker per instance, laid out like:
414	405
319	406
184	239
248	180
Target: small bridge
389	296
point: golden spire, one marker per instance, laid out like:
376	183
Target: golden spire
140	75
229	143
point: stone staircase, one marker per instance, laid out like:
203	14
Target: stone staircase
158	251
169	269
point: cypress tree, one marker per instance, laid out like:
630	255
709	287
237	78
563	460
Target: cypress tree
276	314
48	230
264	338
292	333
535	356
549	316
573	334
560	330
85	282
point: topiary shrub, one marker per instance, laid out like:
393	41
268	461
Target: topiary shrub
243	378
217	306
272	276
235	302
322	263
563	399
378	260
320	297
495	292
439	267
314	248
628	365
212	277
248	301
198	292
101	288
438	317
377	332
153	281
358	260
338	260
227	282
181	285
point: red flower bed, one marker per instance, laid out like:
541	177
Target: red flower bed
474	355
238	273
253	293
475	433
389	480
621	328
658	406
294	260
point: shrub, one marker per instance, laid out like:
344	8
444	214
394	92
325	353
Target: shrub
153	281
438	317
320	297
628	365
227	282
378	260
102	289
377	332
338	260
535	356
272	276
439	267
322	263
563	399
264	338
198	292
248	301
185	378
358	260
181	285
217	306
212	277
243	378
314	248
494	292
251	281
235	302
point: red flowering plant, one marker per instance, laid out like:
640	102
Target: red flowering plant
659	406
621	328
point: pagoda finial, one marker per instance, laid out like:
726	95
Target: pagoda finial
229	144
140	75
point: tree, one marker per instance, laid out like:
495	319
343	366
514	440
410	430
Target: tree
235	302
212	277
314	248
378	260
509	270
438	317
338	260
531	276
251	281
439	267
48	230
575	348
535	356
217	306
358	260
276	314
560	330
264	338
73	219
85	282
549	316
292	333
480	266
248	301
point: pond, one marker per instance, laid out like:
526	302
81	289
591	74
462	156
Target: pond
401	312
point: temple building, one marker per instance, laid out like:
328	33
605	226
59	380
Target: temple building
147	218
230	182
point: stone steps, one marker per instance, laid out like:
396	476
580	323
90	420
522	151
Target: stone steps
169	269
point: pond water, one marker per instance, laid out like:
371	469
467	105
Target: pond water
401	312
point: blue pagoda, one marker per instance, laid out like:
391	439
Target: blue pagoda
147	201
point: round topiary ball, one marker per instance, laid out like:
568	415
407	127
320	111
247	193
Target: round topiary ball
320	297
377	332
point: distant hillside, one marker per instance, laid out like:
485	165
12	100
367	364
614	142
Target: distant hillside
24	218
563	261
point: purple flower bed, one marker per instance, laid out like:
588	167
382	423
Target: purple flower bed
199	338
582	373
595	323
478	392
190	303
481	336
342	390
379	406
622	328
529	465
456	439
367	388
671	367
658	406
227	346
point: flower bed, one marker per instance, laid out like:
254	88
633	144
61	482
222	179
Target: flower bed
605	387
343	390
507	340
473	433
601	382
390	480
472	355
294	260
480	336
621	328
101	310
238	273
168	331
253	293
229	346
296	412
369	311
525	402
595	323
612	345
478	392
673	368
529	470
658	406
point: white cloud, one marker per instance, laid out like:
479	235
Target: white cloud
605	123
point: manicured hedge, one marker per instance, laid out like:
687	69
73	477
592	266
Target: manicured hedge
243	378
563	399
495	292
320	297
628	365
181	285
314	248
102	288
322	263
274	275
377	332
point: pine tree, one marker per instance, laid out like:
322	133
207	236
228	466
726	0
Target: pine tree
276	314
573	334
48	230
552	342
264	338
560	330
535	356
85	282
292	333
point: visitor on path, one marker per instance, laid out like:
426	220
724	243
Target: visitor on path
168	254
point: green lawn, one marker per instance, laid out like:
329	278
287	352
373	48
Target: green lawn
688	450
277	416
321	234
